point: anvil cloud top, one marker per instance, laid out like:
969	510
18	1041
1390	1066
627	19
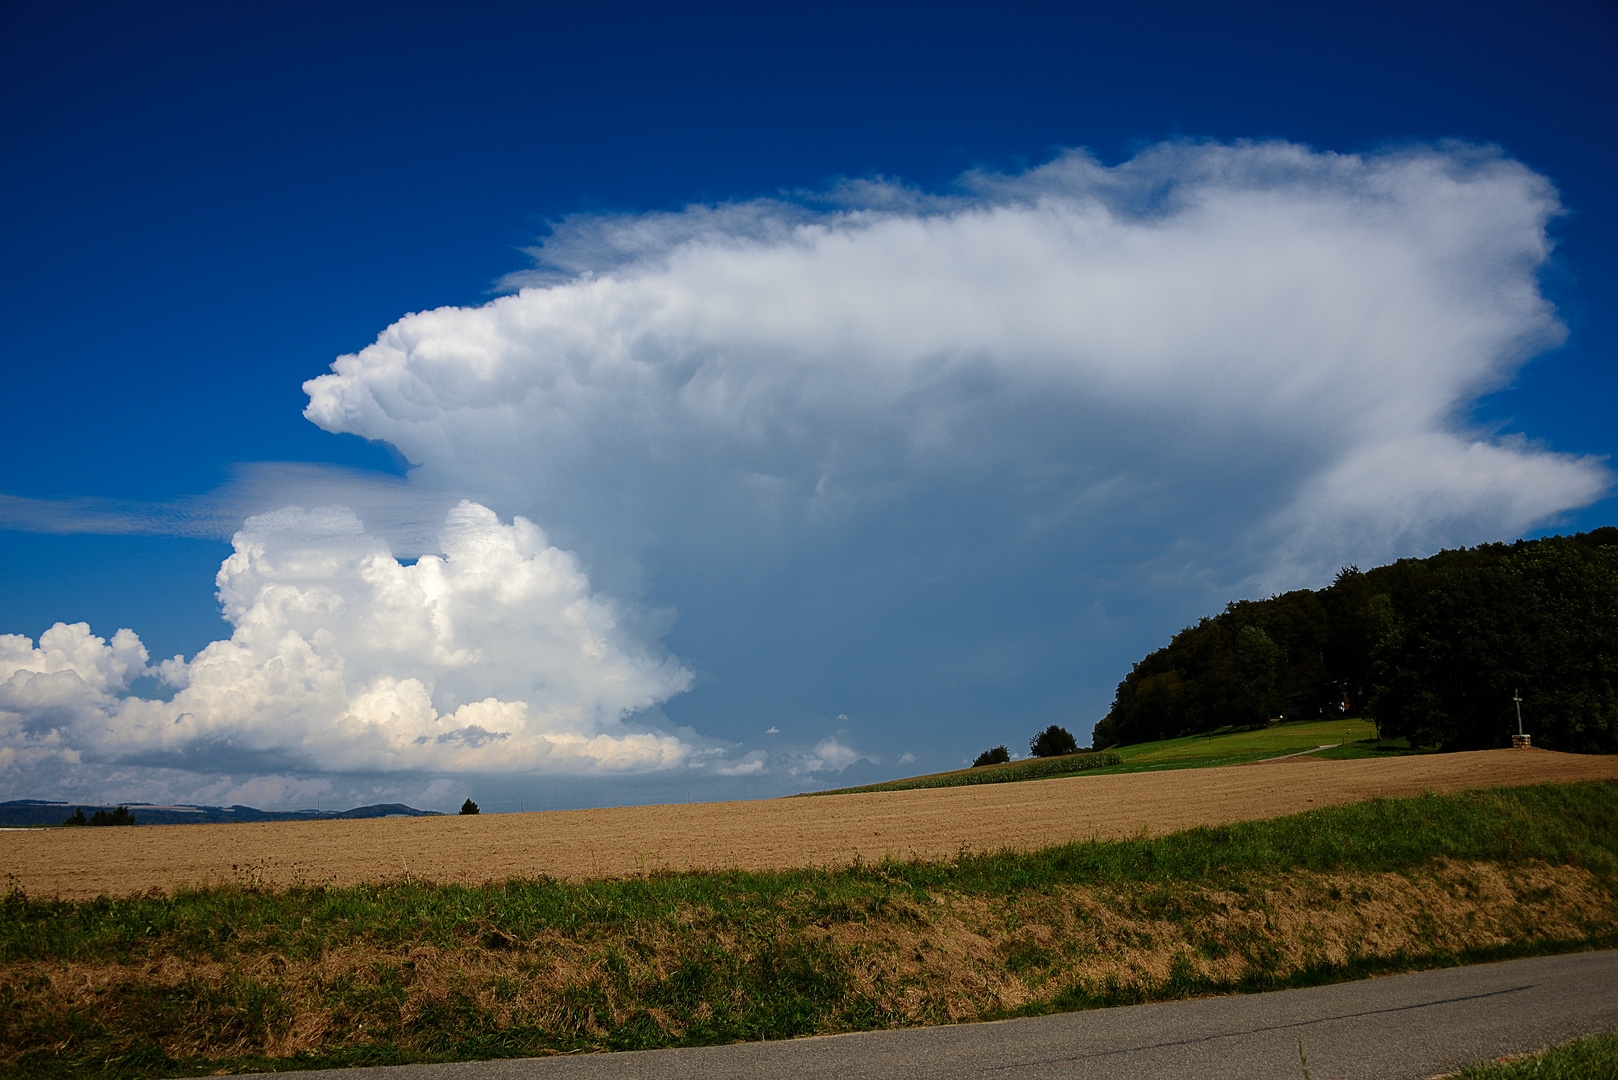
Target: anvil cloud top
718	437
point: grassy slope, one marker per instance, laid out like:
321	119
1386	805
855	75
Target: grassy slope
1594	1058
409	971
1231	746
1375	748
1236	746
1003	773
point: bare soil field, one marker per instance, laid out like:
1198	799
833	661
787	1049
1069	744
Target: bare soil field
760	835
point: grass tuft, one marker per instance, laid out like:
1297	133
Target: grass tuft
1592	1058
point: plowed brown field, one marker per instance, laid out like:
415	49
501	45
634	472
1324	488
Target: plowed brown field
932	823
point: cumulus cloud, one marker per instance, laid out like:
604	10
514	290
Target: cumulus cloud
493	656
1259	354
830	755
750	764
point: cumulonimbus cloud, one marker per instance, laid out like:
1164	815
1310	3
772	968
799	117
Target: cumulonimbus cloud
494	657
1243	365
1260	351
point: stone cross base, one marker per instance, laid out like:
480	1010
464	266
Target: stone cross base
1521	742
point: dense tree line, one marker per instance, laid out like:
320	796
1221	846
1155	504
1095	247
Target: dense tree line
1432	649
120	816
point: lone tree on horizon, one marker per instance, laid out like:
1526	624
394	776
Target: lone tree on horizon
1053	742
469	807
998	755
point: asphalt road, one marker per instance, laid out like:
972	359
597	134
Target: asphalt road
1401	1026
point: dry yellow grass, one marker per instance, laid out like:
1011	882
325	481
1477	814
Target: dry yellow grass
771	834
947	960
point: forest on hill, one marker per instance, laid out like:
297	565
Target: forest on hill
1432	649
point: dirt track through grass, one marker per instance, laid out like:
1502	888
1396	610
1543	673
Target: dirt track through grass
762	835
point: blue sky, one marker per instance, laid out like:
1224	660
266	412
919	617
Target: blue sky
888	376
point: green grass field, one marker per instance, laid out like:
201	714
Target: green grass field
1235	746
1352	737
1004	773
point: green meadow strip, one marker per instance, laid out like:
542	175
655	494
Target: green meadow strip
1038	769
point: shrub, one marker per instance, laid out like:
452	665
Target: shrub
120	816
469	807
1053	742
77	817
999	755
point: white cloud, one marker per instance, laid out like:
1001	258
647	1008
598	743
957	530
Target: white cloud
1260	351
907	758
830	754
406	515
751	764
494	657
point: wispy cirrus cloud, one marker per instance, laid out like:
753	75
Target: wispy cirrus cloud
407	515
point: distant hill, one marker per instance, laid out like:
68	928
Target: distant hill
42	812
